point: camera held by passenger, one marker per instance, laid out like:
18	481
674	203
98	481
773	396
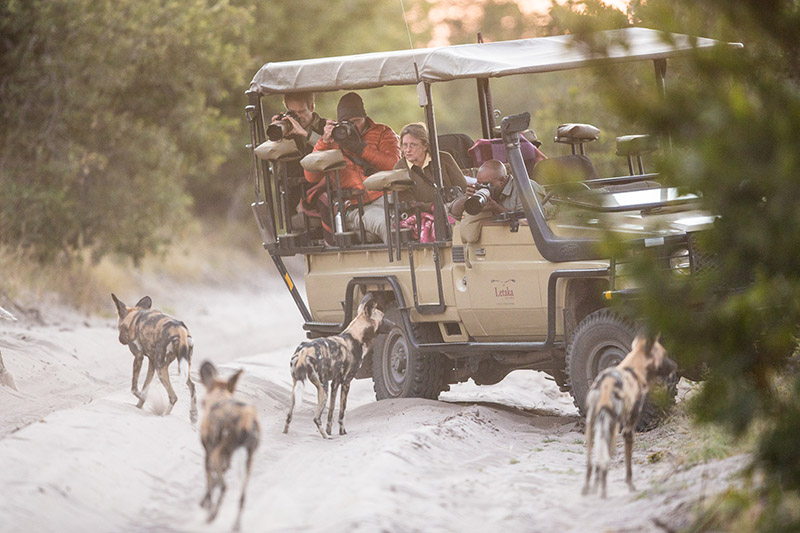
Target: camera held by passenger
345	130
281	126
478	201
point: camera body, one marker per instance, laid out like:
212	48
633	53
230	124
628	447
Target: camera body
345	129
281	126
475	203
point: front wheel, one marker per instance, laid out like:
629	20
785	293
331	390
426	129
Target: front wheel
399	371
602	340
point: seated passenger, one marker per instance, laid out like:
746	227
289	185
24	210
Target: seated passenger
504	196
367	147
417	159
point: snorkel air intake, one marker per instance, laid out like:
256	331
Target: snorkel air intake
553	248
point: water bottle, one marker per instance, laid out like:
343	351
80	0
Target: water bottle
338	222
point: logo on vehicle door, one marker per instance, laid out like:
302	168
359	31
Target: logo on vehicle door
504	290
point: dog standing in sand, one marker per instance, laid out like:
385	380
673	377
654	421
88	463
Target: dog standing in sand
160	338
336	359
615	401
228	424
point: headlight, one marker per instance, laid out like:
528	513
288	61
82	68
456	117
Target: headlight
680	262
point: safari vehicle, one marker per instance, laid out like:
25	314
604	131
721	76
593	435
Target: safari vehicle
532	290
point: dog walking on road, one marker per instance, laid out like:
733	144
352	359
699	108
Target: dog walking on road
615	401
160	338
228	424
336	359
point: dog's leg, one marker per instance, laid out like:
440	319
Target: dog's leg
291	408
193	405
603	476
137	368
322	397
163	377
589	444
216	465
627	434
334	390
237	524
205	503
343	407
147	380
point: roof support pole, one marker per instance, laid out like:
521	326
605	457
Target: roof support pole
440	225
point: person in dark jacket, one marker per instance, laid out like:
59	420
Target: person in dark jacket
417	159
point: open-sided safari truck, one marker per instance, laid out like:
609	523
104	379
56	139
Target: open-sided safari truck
529	290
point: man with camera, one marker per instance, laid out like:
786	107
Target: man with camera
494	192
367	147
304	126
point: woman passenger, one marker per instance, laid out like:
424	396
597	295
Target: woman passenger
417	159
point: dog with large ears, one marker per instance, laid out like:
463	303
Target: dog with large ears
336	359
160	338
228	424
615	401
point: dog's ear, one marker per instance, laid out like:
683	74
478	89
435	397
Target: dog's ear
638	343
144	303
368	304
208	374
233	380
122	309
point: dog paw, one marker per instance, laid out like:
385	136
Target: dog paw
342	431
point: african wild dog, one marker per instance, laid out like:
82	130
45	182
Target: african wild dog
160	338
337	359
228	424
615	401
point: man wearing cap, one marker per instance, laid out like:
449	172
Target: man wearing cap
372	147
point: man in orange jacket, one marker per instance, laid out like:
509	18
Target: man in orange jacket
367	147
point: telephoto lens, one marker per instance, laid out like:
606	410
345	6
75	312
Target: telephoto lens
343	130
477	201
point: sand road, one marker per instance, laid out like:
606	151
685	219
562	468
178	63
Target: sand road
77	455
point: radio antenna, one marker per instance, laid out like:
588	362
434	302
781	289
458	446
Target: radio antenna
410	42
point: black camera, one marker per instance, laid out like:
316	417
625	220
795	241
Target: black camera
281	126
475	203
345	130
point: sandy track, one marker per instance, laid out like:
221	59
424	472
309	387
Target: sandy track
76	455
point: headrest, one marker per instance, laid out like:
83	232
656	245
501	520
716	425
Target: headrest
396	180
277	150
576	133
636	144
324	161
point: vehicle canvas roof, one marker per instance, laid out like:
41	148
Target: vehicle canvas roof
485	60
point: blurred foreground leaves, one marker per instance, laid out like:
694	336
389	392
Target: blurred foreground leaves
733	119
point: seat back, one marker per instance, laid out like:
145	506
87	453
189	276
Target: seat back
485	149
567	168
457	145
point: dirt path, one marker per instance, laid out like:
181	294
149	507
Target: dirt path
76	455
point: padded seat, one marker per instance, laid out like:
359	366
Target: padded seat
631	146
577	135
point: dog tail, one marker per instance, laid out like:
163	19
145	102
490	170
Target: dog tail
184	357
302	364
604	437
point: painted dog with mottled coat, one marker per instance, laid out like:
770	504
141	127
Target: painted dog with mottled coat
615	401
336	359
228	424
162	339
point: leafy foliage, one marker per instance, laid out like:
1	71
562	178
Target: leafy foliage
733	117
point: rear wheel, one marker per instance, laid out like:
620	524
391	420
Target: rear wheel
399	371
603	339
